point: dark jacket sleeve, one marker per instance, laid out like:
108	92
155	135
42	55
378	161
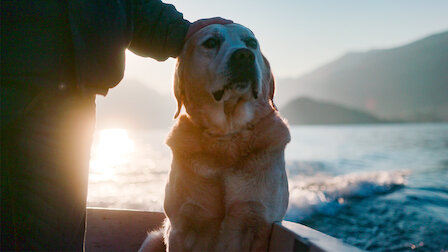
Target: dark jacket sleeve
159	30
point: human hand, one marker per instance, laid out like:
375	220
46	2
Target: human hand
201	23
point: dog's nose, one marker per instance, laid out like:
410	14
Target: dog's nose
242	57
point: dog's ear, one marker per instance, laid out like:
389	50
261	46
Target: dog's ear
178	88
272	89
271	82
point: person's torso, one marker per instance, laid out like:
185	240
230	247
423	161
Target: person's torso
36	41
80	43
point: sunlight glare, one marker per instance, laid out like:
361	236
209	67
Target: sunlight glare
113	149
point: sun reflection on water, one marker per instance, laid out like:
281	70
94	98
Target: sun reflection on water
128	169
112	149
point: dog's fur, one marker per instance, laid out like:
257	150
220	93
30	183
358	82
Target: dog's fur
228	182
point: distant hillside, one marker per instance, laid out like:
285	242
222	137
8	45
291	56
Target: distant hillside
309	111
135	105
408	82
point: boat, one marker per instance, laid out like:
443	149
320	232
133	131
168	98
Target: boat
125	230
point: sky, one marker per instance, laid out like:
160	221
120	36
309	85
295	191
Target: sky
298	36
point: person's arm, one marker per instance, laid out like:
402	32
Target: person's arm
160	30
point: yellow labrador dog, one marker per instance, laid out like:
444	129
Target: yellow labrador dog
227	183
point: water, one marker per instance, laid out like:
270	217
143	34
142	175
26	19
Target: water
377	187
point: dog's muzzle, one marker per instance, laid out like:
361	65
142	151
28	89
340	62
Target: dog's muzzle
242	58
242	66
242	71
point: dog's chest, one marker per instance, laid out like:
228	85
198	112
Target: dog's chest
230	148
213	156
210	155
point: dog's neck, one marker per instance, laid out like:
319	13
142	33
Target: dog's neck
231	116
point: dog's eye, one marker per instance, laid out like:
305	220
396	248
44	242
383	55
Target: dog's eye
211	43
252	43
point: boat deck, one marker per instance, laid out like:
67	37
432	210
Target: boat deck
125	230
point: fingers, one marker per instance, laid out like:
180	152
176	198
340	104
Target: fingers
201	23
214	20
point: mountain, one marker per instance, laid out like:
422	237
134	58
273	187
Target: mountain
134	105
409	82
308	111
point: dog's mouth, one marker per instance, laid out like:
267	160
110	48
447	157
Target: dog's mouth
217	95
240	87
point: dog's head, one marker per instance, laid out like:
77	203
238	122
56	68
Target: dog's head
222	78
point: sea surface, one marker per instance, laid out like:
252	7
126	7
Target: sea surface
377	187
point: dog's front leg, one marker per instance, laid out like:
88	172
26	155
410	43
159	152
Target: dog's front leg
244	228
194	229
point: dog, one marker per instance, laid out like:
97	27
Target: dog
227	183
